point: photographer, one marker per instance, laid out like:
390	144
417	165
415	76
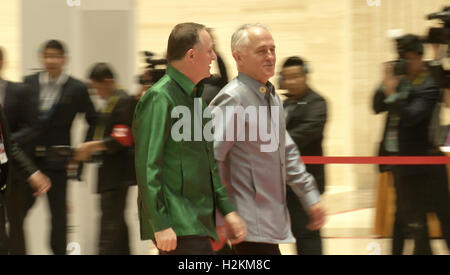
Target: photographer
409	93
112	136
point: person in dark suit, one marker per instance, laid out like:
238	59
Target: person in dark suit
21	115
306	115
9	152
213	84
60	98
113	138
410	97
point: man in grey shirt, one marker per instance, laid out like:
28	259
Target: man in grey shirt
254	163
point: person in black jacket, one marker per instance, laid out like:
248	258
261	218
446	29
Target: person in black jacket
410	99
306	115
9	152
113	138
21	114
60	98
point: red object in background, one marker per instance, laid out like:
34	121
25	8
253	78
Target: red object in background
123	135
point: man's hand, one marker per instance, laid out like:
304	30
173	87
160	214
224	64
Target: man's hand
316	214
166	240
390	81
236	228
39	183
222	233
85	150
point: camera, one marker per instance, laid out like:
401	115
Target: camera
154	71
400	66
404	44
440	36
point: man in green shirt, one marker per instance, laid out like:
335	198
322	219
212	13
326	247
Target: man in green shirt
178	180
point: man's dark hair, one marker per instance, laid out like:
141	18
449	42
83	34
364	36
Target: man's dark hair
54	44
409	43
293	61
1	53
182	38
101	71
296	61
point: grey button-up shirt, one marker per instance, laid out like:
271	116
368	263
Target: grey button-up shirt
255	175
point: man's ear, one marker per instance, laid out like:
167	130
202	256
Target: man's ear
237	56
190	54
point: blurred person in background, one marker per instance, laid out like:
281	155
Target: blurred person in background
409	93
60	98
112	138
306	115
215	82
20	113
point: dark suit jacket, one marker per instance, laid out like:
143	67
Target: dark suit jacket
215	83
21	114
14	153
415	113
55	130
305	124
117	168
379	106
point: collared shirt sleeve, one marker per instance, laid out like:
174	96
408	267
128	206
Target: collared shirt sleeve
301	182
151	129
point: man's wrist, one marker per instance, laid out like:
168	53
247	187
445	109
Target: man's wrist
37	171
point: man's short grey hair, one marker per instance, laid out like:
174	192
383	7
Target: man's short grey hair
240	39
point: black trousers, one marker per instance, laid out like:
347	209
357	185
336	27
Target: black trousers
3	237
19	202
252	248
420	193
401	230
113	228
308	242
191	245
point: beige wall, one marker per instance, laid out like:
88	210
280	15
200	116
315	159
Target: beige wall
10	38
345	42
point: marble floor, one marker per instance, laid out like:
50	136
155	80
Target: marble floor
349	228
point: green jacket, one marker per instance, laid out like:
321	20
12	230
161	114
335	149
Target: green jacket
178	181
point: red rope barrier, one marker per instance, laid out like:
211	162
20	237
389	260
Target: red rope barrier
405	160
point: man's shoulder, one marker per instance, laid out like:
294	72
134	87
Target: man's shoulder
125	98
232	92
31	78
314	95
165	87
75	83
16	86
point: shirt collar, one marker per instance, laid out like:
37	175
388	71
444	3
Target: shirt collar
256	86
44	79
184	82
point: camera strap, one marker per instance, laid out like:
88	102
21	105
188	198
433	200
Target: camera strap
100	128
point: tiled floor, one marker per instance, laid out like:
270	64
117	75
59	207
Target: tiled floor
350	223
349	230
